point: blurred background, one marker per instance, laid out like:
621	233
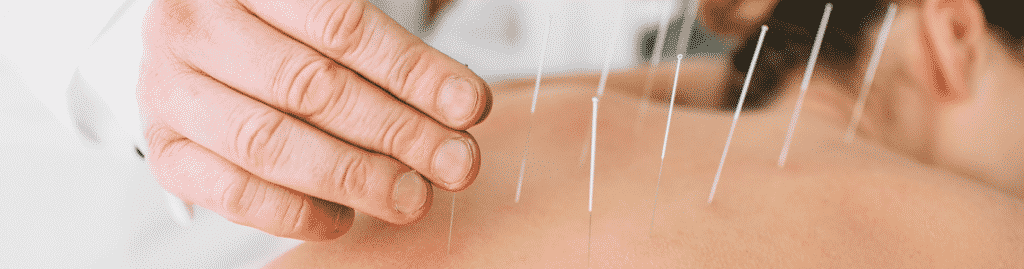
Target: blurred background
75	191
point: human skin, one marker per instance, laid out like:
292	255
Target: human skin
950	86
287	116
833	205
951	94
901	195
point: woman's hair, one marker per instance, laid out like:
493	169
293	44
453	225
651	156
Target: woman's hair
1002	18
793	25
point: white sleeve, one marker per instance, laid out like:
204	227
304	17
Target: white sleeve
110	66
45	42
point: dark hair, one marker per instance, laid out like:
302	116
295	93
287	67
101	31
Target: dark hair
791	30
1002	17
793	25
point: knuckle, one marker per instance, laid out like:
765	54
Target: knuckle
294	215
260	138
180	11
173	28
172	18
350	175
246	199
162	141
411	66
339	25
347	31
238	196
157	138
299	81
348	106
164	147
402	135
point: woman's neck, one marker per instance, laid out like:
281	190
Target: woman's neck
825	101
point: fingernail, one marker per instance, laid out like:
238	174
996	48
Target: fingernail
458	100
410	192
452	161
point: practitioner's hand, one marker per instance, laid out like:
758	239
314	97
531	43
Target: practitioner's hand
287	115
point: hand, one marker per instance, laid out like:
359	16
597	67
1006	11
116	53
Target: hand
287	115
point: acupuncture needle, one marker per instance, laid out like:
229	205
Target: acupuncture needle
604	75
608	50
684	41
739	108
805	84
593	147
451	225
593	134
869	76
659	45
664	144
533	108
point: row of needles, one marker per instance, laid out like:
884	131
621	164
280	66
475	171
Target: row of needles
684	40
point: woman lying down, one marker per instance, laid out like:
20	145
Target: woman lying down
933	180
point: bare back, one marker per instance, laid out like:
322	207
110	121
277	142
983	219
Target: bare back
833	205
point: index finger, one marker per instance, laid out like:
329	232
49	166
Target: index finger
359	36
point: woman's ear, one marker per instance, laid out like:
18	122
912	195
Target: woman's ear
953	35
